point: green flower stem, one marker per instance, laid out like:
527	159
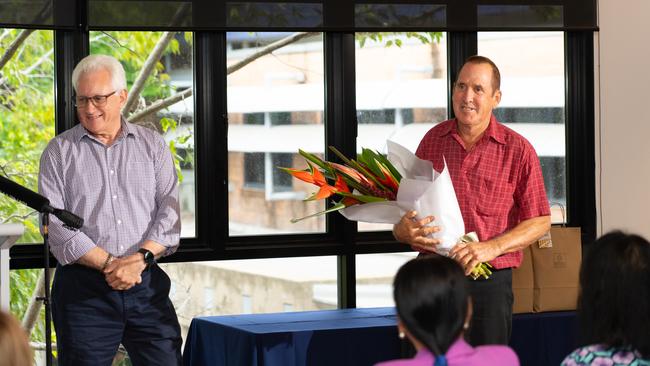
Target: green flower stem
482	269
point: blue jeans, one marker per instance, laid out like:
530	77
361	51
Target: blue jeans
91	319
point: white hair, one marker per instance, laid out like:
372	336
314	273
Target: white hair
100	62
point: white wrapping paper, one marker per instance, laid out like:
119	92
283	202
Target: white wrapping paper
421	189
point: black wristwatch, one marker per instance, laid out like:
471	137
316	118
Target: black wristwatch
149	258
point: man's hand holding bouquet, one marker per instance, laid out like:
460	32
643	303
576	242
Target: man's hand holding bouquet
377	189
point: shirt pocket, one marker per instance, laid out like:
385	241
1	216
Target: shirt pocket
495	198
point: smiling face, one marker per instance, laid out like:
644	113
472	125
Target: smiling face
474	96
101	121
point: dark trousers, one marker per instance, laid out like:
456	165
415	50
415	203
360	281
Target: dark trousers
91	319
492	302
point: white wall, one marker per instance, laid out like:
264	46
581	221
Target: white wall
623	115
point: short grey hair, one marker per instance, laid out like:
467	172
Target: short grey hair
100	62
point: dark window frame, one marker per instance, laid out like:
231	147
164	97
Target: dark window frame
341	238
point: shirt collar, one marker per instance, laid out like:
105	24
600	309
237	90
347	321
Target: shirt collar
495	130
458	348
127	130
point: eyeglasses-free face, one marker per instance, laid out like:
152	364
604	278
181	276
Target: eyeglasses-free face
96	100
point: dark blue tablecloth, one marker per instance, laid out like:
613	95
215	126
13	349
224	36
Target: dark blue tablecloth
544	339
347	337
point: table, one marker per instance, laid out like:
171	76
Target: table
328	337
348	337
544	338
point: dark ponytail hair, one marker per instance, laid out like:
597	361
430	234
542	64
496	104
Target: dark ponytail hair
431	299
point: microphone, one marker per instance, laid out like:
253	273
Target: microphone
38	203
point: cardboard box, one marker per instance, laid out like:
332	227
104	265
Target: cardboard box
522	285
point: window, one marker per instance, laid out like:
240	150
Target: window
256	104
375	274
253	174
251	286
275	107
268	177
532	82
401	91
171	76
281	182
26	117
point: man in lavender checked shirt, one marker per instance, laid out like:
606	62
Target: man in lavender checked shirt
120	178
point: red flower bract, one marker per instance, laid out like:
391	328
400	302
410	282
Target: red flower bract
370	178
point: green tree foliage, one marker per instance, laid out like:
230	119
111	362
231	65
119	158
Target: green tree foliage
26	119
397	38
26	125
133	49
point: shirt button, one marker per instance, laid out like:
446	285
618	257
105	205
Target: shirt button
114	196
121	247
119	222
112	171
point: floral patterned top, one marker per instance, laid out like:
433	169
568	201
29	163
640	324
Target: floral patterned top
601	355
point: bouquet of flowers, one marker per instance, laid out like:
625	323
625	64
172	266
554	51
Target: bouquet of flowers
379	189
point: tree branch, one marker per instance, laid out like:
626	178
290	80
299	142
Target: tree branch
146	70
164	103
13	47
160	104
268	49
21	217
34	307
153	58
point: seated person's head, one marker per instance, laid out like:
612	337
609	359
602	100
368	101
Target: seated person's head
614	301
432	301
14	345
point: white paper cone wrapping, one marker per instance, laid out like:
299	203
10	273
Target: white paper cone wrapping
421	189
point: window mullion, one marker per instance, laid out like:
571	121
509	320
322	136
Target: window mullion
460	46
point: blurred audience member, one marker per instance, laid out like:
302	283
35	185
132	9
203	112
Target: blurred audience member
434	309
14	345
614	302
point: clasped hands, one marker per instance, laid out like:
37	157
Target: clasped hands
415	233
124	273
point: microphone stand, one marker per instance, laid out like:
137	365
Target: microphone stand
69	221
45	222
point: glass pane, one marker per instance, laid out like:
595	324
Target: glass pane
400	15
375	273
26	126
26	118
171	76
156	14
524	16
251	286
275	107
26	12
401	83
22	283
255	15
532	82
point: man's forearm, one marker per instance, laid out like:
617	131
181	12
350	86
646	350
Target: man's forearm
522	235
157	249
95	258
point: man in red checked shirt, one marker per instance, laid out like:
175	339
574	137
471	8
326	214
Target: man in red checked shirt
498	182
